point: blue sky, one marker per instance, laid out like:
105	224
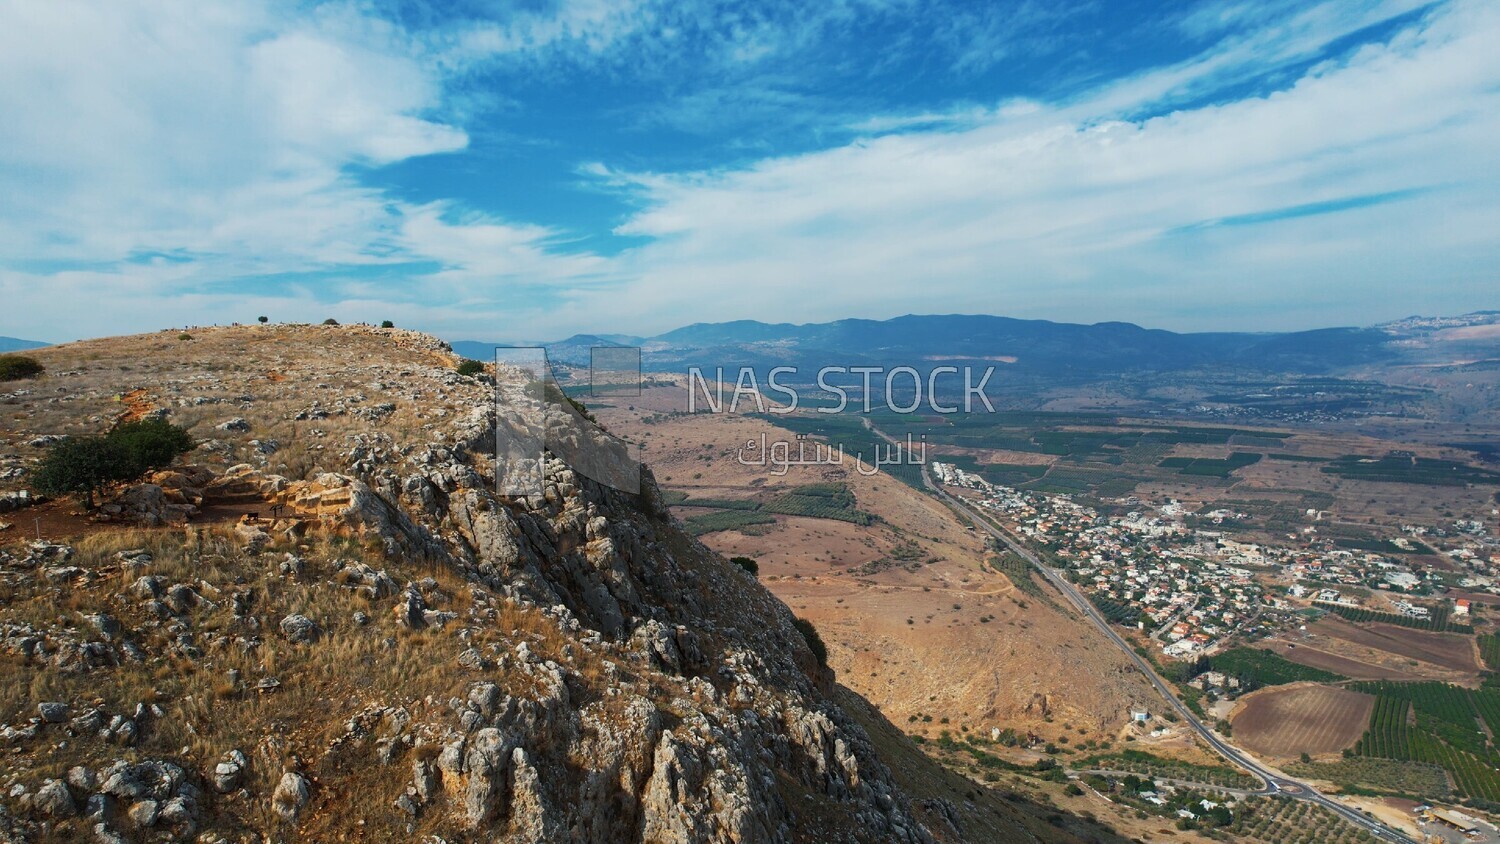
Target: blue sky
529	170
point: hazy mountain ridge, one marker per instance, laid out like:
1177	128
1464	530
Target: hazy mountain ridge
16	344
1039	347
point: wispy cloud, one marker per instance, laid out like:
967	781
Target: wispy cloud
1064	211
191	162
159	151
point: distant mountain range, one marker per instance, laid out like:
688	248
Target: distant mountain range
1038	345
15	344
1026	345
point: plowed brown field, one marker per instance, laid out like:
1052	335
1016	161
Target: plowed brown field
1287	721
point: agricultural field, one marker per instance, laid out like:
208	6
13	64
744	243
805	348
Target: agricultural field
819	501
1489	651
1281	820
739	520
1407	468
1462	717
1452	651
1285	722
1382	776
1214	467
1350	667
815	501
1080	453
1018	572
1438	621
1114	611
847	431
718	503
1298	458
1003	472
1107	456
1437	724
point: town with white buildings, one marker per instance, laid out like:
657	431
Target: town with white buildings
1189	587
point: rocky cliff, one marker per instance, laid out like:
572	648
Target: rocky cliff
395	652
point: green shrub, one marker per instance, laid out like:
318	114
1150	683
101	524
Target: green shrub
184	336
582	409
330	321
388	324
469	367
748	564
814	641
16	367
152	443
263	320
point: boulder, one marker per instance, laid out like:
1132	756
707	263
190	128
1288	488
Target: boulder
290	796
54	800
230	772
299	629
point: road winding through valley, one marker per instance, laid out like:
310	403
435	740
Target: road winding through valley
1275	783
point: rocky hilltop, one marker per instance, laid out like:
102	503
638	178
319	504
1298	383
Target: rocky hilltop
330	627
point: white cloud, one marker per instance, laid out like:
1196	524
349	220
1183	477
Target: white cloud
230	141
141	127
1064	213
227	137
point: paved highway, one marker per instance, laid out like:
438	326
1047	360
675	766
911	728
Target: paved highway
1275	783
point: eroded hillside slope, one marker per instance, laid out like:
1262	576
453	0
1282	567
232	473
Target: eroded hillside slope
395	652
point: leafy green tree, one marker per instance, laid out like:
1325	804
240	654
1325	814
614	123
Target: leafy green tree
263	320
84	465
388	324
16	367
468	367
330	321
748	564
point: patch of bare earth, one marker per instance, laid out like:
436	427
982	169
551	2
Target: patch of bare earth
1445	650
1352	668
913	619
1286	721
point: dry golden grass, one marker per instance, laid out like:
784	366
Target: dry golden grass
913	618
281	369
349	668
